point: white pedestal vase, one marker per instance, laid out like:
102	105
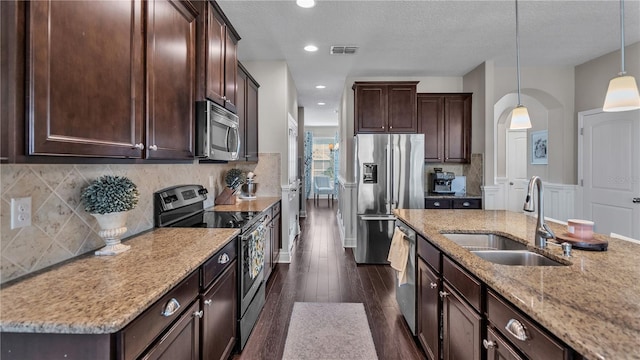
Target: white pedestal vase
111	229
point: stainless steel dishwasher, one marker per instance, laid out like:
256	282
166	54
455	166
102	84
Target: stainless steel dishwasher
406	293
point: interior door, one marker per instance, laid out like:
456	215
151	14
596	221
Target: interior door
516	169
610	168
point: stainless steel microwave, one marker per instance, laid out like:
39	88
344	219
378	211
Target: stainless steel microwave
217	135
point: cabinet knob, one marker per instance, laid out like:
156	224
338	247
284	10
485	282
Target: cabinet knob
139	146
223	259
153	147
444	294
171	308
437	203
390	127
382	127
224	98
466	204
198	314
208	302
515	328
227	101
433	285
488	344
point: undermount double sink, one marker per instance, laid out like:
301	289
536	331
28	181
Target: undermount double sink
500	249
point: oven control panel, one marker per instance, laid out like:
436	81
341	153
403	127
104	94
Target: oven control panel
178	196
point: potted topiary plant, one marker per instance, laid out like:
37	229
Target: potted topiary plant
108	199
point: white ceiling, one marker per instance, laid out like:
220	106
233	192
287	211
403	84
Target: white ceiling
421	38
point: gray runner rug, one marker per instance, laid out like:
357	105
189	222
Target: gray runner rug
329	331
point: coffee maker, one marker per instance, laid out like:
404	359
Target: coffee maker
440	182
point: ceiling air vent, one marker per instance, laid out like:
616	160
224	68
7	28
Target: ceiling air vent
343	50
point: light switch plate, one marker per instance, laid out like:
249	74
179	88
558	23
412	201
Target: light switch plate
20	212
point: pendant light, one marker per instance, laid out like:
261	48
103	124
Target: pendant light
519	115
622	94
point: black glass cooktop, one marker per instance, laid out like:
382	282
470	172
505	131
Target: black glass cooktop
219	219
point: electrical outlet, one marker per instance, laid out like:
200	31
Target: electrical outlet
212	182
20	212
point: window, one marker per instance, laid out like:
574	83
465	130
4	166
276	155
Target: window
322	157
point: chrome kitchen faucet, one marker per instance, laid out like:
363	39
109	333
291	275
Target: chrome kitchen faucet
543	232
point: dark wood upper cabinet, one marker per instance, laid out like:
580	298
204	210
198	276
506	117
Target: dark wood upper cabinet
385	107
445	121
171	39
247	102
217	58
84	78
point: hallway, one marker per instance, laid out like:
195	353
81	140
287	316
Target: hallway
322	271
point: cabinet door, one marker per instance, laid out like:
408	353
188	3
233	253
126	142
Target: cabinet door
220	310
251	142
431	124
85	78
428	311
268	250
457	141
401	104
371	109
460	328
242	113
230	71
171	79
498	348
276	238
214	56
181	341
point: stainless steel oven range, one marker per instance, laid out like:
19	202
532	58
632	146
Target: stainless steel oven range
182	206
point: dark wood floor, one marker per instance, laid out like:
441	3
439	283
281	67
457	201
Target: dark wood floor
321	270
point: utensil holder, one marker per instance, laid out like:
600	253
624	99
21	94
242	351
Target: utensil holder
226	197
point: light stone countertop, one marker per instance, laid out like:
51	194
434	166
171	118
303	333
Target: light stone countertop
593	305
102	294
258	204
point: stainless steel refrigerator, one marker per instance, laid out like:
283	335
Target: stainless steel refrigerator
390	172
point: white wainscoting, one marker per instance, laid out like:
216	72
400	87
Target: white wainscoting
560	200
347	212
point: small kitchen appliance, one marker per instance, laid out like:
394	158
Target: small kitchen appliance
440	182
183	206
217	134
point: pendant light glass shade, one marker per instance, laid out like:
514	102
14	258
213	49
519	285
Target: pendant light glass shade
622	94
519	115
520	118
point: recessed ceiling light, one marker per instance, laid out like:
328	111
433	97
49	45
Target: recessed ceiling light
320	86
311	48
306	3
321	103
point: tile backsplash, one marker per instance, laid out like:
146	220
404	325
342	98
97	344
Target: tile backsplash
60	227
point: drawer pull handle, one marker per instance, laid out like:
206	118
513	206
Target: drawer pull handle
436	203
208	302
515	328
466	204
139	146
444	294
488	344
198	314
433	285
171	308
223	259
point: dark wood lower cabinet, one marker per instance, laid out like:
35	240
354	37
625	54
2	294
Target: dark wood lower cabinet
182	341
461	328
219	321
429	314
498	348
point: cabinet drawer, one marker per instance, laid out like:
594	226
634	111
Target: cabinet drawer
151	323
429	253
465	284
218	262
537	344
467	204
437	203
275	209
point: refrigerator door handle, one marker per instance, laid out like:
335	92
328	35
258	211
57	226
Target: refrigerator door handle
378	217
389	195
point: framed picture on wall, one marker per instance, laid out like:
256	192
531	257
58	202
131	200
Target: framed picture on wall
539	147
